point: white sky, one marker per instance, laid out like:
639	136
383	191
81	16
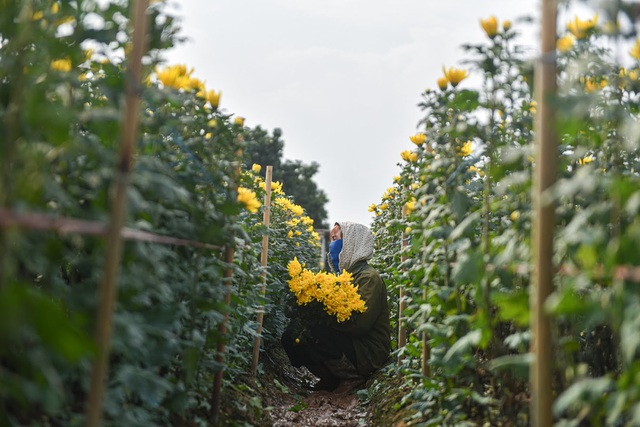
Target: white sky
341	78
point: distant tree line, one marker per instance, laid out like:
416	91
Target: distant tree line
296	177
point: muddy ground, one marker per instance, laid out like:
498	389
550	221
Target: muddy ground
304	407
285	398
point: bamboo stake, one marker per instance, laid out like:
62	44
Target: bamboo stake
402	303
38	221
108	285
266	219
228	277
544	221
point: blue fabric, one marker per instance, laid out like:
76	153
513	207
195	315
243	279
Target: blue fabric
335	248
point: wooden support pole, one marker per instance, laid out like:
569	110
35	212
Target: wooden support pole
228	281
266	219
544	221
108	284
402	303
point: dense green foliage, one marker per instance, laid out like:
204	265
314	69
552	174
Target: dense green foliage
461	254
467	270
61	82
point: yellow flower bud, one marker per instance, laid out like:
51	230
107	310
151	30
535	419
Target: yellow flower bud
239	121
455	75
418	138
63	65
635	50
443	82
490	26
565	43
580	29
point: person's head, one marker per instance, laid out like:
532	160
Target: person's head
335	233
335	247
351	242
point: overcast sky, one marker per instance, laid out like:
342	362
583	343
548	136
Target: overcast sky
341	78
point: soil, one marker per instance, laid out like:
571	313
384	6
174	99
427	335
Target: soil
295	404
281	395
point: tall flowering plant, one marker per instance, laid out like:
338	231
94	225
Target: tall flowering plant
335	294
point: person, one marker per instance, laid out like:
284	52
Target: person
343	355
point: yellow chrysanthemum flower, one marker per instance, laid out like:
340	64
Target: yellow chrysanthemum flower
580	29
211	96
418	138
466	149
212	123
248	199
290	234
63	65
372	207
635	50
337	294
256	168
565	43
591	84
175	76
455	75
586	160
476	170
276	187
296	209
409	156
506	25
410	205
443	82
515	215
490	26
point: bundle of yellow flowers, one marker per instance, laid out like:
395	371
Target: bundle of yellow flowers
337	293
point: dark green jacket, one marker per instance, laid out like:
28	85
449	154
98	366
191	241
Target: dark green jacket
371	330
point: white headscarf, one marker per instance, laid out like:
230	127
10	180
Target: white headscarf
357	244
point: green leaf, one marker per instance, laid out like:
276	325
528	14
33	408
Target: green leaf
299	406
465	228
513	306
582	394
516	364
465	100
469	268
464	344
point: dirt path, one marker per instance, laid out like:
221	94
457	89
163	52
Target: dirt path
294	404
320	409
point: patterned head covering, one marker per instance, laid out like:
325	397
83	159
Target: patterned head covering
357	244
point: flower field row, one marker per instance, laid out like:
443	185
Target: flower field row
463	202
62	78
